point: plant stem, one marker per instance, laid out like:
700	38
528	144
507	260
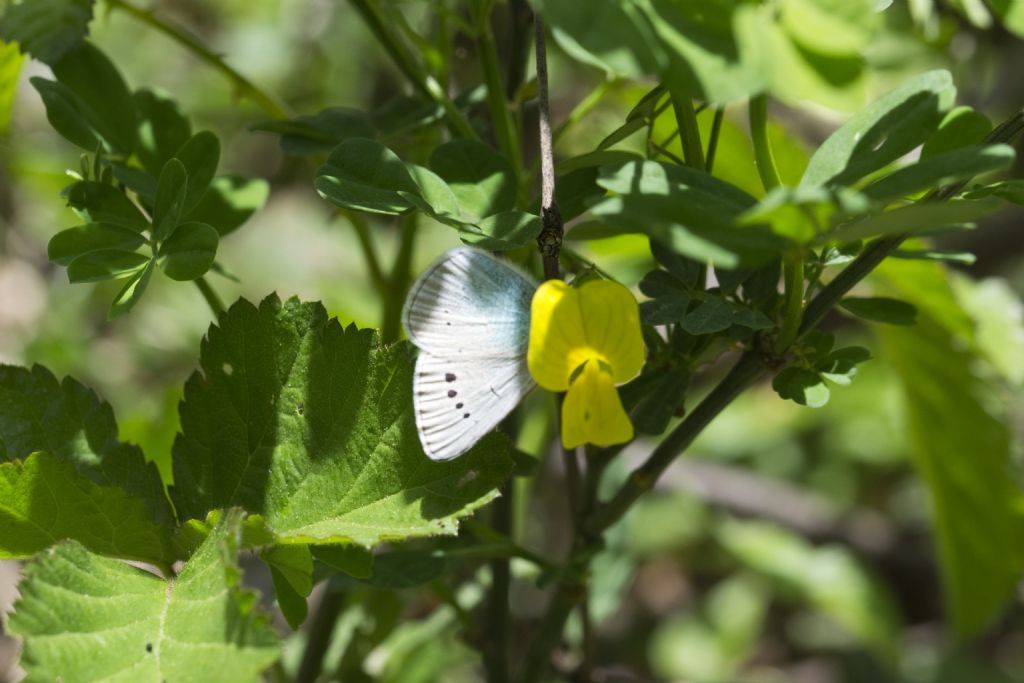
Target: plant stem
501	117
495	652
689	131
243	85
793	301
320	632
716	130
398	283
380	282
763	157
399	52
216	305
749	367
519	51
550	239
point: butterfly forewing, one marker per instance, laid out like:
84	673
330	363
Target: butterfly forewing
470	304
469	314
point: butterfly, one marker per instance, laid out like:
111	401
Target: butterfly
469	315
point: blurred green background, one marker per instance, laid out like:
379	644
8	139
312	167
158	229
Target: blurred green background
793	545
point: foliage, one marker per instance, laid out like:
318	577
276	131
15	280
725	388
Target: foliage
767	271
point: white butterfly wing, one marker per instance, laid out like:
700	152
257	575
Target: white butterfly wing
457	403
470	304
469	314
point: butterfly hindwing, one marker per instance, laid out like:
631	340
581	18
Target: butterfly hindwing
469	304
457	402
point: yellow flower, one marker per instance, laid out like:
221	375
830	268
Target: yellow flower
584	341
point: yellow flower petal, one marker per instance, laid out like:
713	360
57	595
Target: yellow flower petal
592	411
556	332
611	320
569	326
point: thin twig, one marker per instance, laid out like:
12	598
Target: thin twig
716	130
210	295
550	238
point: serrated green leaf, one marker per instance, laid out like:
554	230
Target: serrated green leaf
482	180
311	426
941	169
504	231
163	128
230	201
66	113
194	628
883	132
169	202
10	69
99	86
961	127
66	420
189	252
46	29
106	264
880	309
365	175
802	386
44	500
101	203
199	155
131	292
305	135
68	245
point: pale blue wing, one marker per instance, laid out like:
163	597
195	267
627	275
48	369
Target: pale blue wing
458	401
470	305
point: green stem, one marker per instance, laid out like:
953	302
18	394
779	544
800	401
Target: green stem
501	117
244	86
689	131
216	305
793	298
380	282
716	130
549	632
763	157
320	631
399	52
495	651
399	281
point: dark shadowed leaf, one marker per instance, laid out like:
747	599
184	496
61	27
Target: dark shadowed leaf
230	201
200	156
365	175
101	203
106	264
803	386
881	309
68	245
482	180
189	252
46	29
163	129
169	204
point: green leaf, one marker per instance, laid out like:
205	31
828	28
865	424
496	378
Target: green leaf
311	426
435	198
44	500
504	231
942	169
99	86
961	127
880	309
10	69
716	314
189	252
306	135
200	156
130	293
163	129
136	180
1011	13
665	310
883	132
609	34
68	421
406	569
101	203
655	397
66	113
840	366
961	445
291	570
964	258
106	264
230	201
915	218
365	175
1010	190
829	578
194	628
801	385
802	213
482	180
46	29
169	203
68	245
354	560
831	27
